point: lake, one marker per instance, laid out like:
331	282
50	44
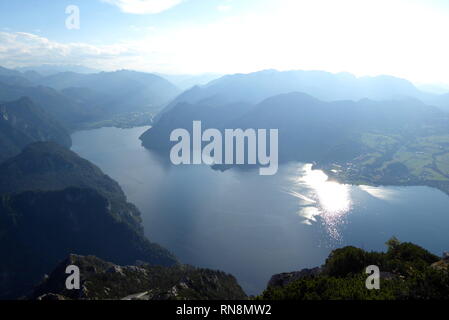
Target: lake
254	226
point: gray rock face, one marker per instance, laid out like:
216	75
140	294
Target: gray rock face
283	279
100	280
51	297
443	264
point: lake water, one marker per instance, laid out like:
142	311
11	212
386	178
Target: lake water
255	226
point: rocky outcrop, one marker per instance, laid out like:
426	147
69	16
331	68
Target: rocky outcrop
102	280
283	279
443	264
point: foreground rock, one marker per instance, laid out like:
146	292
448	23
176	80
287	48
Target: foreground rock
443	264
283	279
407	272
102	280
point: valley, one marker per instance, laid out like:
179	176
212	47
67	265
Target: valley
235	220
164	151
350	173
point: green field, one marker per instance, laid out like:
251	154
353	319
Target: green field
392	159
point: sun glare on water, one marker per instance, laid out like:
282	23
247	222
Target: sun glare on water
328	200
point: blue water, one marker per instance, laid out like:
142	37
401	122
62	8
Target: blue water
255	226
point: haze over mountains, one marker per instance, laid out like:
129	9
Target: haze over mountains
119	91
301	102
221	102
186	81
77	99
54	203
49	69
257	86
371	126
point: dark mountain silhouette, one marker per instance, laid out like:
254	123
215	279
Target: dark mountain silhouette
182	115
22	122
40	228
309	129
54	203
313	130
48	166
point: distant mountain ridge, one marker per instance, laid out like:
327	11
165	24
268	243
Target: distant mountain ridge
22	122
77	99
49	69
119	91
254	87
64	109
186	81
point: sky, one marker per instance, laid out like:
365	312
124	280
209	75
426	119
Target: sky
404	38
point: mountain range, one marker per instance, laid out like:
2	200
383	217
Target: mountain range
54	203
358	130
255	87
304	122
78	99
49	69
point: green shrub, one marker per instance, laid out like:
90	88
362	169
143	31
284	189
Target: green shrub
411	276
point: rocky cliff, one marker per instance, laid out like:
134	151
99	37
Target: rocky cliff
104	280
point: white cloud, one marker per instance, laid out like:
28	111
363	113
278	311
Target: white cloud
144	6
368	40
142	29
374	37
224	8
21	49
